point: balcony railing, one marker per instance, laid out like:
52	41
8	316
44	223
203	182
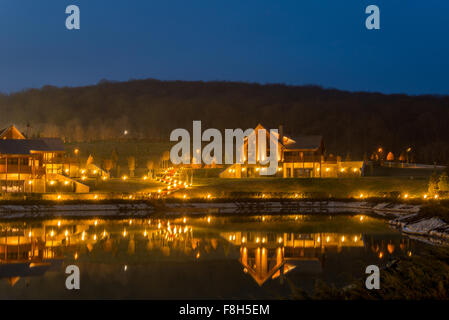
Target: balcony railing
15	169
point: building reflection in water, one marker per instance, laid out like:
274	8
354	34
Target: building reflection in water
30	249
267	256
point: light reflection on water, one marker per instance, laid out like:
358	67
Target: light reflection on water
192	257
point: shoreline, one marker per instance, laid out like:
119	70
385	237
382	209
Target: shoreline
405	217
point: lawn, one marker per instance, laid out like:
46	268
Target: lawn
217	187
140	149
335	187
128	186
379	180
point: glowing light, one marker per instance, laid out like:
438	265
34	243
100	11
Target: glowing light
280	240
208	219
425	196
95	171
328	169
435	196
76	256
342	170
124	233
208	196
52	233
83	178
355	169
361	218
343	239
318	240
30	234
83	235
355	239
257	240
243	240
30	182
184	220
59	223
83	171
159	191
96	222
66	170
327	239
104	178
405	196
124	177
66	182
361	195
59	197
381	254
145	178
52	182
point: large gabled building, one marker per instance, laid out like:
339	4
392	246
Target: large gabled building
32	165
298	157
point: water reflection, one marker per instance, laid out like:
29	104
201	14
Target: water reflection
272	255
268	248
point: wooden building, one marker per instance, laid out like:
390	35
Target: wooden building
32	165
298	157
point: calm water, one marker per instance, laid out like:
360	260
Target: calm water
194	257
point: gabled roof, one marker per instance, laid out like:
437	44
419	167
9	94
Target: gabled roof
305	143
275	136
11	133
26	146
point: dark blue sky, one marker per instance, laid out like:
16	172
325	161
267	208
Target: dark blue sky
321	42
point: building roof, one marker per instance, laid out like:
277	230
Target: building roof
305	143
11	132
302	143
27	146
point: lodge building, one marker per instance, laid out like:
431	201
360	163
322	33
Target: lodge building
33	165
298	157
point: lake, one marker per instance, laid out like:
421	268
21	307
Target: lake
193	257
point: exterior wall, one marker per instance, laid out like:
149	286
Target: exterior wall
341	169
30	174
336	169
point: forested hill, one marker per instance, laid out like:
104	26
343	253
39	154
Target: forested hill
354	123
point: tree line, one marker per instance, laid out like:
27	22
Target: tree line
353	124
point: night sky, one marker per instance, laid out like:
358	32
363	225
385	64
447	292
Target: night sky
322	42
